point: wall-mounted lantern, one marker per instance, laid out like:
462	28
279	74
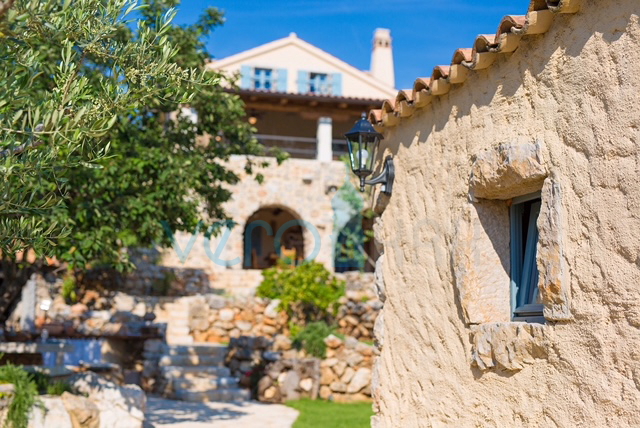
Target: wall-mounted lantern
363	141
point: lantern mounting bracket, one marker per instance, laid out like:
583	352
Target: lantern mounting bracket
386	177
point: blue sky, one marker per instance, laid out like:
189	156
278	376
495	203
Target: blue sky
425	32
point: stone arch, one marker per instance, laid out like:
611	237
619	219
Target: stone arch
260	233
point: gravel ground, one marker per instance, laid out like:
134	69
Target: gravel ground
250	414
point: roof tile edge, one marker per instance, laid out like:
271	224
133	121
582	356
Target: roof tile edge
484	52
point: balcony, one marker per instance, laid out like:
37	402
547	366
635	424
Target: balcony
301	147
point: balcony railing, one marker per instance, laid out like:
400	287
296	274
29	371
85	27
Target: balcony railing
300	147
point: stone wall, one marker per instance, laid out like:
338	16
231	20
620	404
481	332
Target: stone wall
560	115
305	188
290	374
216	319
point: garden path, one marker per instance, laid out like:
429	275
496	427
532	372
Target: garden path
163	413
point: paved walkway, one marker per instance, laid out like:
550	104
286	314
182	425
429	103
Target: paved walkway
251	414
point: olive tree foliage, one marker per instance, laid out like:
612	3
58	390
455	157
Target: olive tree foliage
69	72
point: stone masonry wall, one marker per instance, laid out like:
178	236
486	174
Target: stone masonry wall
560	115
303	187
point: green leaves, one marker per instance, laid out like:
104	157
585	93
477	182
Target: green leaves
71	71
309	292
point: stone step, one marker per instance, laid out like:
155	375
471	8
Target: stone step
191	360
222	395
178	339
220	350
192	372
178	330
203	384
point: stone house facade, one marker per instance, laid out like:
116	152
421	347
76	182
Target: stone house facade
301	100
524	150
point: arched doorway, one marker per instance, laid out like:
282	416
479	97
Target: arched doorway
260	233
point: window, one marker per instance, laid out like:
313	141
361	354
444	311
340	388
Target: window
262	78
318	83
525	300
311	82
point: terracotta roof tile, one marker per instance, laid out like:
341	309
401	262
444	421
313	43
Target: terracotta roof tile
486	48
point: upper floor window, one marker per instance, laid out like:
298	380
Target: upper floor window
263	78
319	83
525	297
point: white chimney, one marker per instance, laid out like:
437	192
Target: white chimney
382	57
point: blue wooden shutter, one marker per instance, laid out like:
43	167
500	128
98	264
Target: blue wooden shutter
246	81
336	84
281	83
303	82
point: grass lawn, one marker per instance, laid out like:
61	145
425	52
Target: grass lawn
320	414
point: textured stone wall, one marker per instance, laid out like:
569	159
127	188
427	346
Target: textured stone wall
303	187
560	115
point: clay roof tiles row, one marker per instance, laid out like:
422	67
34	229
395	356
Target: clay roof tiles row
484	52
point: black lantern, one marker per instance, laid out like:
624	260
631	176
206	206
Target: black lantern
363	141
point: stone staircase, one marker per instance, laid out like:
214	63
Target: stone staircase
178	323
196	373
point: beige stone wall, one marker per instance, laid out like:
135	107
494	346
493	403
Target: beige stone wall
560	115
303	187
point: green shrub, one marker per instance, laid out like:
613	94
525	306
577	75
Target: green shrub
26	392
308	292
311	338
69	292
58	388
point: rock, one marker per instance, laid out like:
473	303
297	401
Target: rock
507	170
216	302
263	384
123	302
271	310
339	368
364	349
350	319
226	314
83	412
78	310
329	362
90	296
290	385
327	376
243	325
325	392
281	343
348	375
378	330
52	414
270	392
306	384
201	324
338	387
354	358
332	341
350	342
361	379
120	406
269	330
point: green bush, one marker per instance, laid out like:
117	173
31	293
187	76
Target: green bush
58	388
308	292
69	292
311	338
26	392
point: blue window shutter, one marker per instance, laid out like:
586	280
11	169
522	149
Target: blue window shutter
246	81
303	82
516	253
336	84
281	83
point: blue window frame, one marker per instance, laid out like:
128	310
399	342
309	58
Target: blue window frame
319	83
525	300
262	78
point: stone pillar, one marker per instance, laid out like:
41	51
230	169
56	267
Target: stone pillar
324	138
